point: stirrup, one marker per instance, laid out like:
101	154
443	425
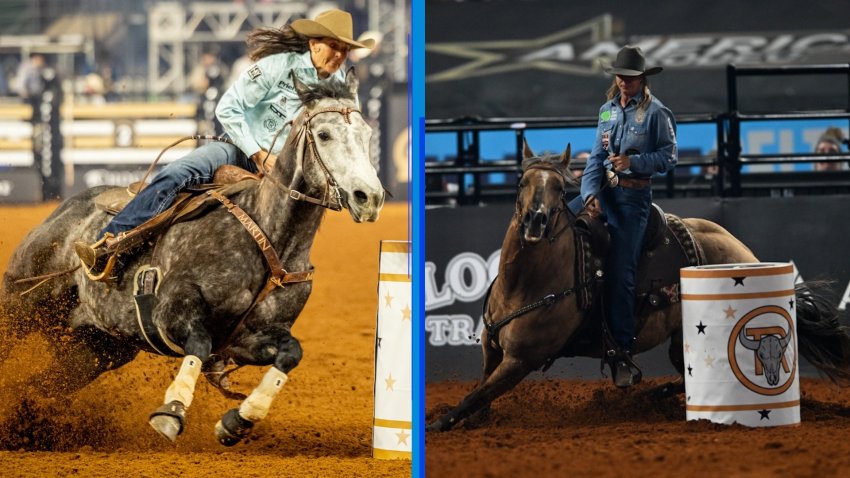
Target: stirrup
89	258
105	273
624	371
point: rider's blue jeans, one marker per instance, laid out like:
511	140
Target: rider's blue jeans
195	168
627	211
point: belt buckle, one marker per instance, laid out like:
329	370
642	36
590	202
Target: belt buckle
295	194
612	178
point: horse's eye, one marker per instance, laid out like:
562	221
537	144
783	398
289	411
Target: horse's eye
324	136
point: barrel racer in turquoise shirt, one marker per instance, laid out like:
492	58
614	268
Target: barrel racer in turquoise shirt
258	106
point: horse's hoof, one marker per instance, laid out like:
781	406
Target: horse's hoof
232	428
169	427
438	425
167	420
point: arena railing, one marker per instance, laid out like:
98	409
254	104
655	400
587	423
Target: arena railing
730	155
460	180
468	163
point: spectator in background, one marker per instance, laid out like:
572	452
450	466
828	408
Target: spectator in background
94	89
829	143
208	82
580	157
29	82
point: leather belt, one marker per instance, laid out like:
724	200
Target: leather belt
633	183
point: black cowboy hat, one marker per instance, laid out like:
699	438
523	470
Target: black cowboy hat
631	62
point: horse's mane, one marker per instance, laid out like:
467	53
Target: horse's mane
551	161
326	89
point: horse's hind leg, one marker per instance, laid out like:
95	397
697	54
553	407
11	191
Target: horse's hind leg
507	374
676	354
236	424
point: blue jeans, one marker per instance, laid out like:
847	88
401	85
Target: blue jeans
195	168
628	212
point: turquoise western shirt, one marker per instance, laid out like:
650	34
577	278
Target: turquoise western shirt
648	137
263	100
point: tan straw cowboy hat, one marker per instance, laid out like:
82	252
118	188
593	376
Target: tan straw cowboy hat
334	24
631	62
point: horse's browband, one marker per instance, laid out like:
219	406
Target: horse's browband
547	167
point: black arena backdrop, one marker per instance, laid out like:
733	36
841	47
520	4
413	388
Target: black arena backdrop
542	58
461	255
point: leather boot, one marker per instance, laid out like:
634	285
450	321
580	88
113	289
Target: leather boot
624	370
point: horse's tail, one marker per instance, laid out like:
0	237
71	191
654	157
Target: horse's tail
824	342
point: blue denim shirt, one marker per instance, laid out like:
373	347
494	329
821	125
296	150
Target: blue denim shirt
263	100
648	137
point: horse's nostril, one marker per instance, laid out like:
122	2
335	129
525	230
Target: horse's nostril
361	197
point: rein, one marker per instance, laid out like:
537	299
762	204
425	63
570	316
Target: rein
547	300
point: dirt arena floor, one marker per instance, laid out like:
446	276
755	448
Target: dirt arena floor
588	428
319	425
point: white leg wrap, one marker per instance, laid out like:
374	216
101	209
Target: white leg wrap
257	405
183	387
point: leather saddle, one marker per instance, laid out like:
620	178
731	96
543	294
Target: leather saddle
228	181
668	246
113	201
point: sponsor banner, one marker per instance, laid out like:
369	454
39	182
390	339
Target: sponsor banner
546	58
462	254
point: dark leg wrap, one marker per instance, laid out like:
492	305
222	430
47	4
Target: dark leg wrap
235	428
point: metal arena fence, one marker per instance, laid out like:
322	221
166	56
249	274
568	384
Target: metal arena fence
464	176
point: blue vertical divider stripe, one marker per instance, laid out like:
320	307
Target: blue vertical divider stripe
416	90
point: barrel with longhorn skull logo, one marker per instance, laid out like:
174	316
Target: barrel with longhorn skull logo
740	344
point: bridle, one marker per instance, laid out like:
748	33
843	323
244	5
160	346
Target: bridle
331	198
547	300
556	213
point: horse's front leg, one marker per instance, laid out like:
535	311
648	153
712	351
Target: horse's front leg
237	423
169	418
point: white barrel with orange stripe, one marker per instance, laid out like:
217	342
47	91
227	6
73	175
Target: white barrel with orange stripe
740	344
392	435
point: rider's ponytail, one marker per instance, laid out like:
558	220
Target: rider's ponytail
263	42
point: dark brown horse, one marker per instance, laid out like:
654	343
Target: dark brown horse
535	297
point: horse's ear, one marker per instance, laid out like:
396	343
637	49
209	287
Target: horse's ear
526	150
565	156
351	81
300	87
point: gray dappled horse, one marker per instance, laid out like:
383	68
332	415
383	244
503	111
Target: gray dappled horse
212	269
537	266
